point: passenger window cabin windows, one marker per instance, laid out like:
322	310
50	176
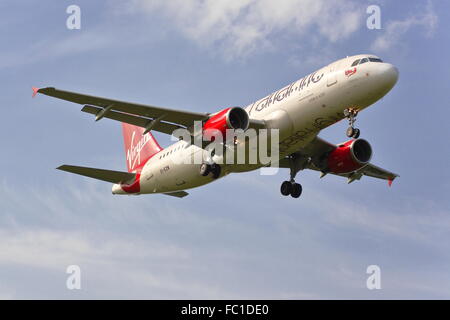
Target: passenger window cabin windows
355	63
364	61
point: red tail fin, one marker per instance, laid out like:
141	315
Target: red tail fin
138	148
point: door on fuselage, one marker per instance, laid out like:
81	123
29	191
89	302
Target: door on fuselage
332	75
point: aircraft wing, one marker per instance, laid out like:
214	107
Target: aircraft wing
150	117
318	147
368	170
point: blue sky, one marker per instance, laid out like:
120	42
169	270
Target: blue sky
236	238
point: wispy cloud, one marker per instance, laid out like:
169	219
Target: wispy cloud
396	29
411	220
68	45
152	247
240	27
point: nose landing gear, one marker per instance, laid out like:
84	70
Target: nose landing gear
351	114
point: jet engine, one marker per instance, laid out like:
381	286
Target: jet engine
230	118
349	156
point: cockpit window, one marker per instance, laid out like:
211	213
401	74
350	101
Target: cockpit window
364	61
375	60
355	63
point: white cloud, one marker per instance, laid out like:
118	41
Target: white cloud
52	249
412	221
396	29
154	247
241	27
48	49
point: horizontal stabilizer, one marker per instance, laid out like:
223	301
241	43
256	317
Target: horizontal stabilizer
99	174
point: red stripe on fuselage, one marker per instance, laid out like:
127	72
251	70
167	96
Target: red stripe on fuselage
135	187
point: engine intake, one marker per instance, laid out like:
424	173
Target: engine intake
349	156
230	118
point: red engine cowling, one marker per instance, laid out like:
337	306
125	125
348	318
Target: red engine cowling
349	156
230	118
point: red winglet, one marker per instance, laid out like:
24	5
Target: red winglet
390	182
35	91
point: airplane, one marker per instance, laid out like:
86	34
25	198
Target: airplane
299	111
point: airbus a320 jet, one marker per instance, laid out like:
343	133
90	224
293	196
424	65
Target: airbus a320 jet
299	111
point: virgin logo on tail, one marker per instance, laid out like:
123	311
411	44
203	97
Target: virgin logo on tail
134	152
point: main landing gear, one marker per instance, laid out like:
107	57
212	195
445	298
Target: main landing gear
291	188
296	163
213	168
351	114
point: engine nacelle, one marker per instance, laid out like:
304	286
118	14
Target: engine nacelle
230	118
349	156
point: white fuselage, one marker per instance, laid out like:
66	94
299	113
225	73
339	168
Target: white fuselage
300	111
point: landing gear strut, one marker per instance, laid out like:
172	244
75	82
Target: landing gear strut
351	114
291	187
206	169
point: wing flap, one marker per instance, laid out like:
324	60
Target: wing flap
160	126
368	170
185	118
99	174
373	171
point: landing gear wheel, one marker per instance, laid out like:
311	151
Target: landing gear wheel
353	132
205	169
296	190
215	169
350	132
286	188
351	114
296	163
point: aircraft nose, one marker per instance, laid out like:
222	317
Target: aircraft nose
388	74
